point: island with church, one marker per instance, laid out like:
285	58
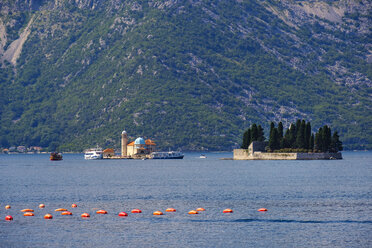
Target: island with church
139	149
297	143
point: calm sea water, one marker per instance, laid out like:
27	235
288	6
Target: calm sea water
310	203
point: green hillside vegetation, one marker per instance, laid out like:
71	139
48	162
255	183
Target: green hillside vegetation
187	75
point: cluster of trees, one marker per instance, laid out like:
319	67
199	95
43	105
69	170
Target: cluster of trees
254	133
298	137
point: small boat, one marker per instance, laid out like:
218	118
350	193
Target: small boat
202	156
167	155
55	156
93	153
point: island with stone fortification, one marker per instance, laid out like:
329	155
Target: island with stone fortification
297	143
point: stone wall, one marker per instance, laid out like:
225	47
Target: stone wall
243	154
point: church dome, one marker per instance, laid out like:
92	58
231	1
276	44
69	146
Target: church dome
139	141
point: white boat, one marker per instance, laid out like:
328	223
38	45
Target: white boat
203	156
167	155
93	153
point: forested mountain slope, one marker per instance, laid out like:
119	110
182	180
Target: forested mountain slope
189	74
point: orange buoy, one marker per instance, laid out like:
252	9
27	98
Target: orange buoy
7	207
262	210
48	216
136	211
122	214
85	215
60	209
41	206
27	210
227	210
193	212
8	218
200	209
74	205
158	213
28	214
101	212
170	210
66	213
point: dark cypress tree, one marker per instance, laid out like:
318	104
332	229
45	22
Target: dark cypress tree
272	139
280	130
261	134
311	143
286	139
246	138
254	132
272	126
336	144
319	140
292	136
298	125
327	138
300	139
308	136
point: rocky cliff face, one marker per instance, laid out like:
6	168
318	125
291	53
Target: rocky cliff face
209	68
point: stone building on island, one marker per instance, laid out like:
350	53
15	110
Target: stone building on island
137	148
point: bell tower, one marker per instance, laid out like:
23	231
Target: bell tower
124	143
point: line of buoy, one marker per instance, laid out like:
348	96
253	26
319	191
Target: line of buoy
29	212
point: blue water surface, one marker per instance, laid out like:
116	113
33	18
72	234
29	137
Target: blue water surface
310	203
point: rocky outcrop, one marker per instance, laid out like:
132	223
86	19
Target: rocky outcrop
14	50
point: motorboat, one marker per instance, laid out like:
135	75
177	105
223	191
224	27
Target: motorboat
167	155
93	153
55	156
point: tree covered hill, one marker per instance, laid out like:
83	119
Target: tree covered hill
189	74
